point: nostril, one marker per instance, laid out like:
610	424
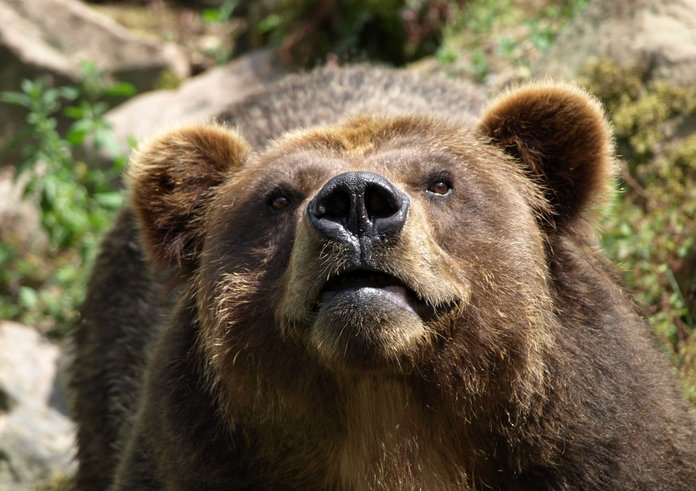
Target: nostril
381	202
358	204
335	205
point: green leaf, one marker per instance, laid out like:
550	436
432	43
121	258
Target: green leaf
29	86
269	23
76	136
74	112
83	125
210	16
110	200
69	93
66	274
28	297
15	98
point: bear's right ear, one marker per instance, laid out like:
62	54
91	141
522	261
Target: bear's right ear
172	179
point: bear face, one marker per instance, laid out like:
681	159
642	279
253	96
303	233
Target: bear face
347	285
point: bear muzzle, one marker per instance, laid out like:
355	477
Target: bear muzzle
367	286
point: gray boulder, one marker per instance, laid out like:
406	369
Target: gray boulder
36	436
199	99
661	33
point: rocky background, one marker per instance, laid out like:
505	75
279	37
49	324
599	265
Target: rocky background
81	81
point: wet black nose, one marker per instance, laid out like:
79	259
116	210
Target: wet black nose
359	204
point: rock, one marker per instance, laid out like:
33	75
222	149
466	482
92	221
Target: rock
49	38
72	32
37	444
36	438
199	99
661	33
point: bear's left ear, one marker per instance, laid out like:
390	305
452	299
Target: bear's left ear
172	180
560	134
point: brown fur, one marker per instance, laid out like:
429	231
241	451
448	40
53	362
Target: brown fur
573	161
524	368
165	187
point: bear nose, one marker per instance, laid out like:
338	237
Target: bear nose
359	204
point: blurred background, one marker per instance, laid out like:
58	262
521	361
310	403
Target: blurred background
81	82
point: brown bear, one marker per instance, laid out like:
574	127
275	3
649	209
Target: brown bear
358	282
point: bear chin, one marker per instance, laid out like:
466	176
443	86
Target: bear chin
367	327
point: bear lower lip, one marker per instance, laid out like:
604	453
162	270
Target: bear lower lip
365	287
397	295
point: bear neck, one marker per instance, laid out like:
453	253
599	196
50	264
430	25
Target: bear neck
390	440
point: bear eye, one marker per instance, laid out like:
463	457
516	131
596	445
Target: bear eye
278	202
439	187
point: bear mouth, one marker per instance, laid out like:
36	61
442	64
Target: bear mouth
375	284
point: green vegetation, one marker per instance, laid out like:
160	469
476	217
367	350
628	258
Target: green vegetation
75	202
305	32
651	228
308	32
494	36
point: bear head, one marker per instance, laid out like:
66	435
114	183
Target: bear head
401	247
